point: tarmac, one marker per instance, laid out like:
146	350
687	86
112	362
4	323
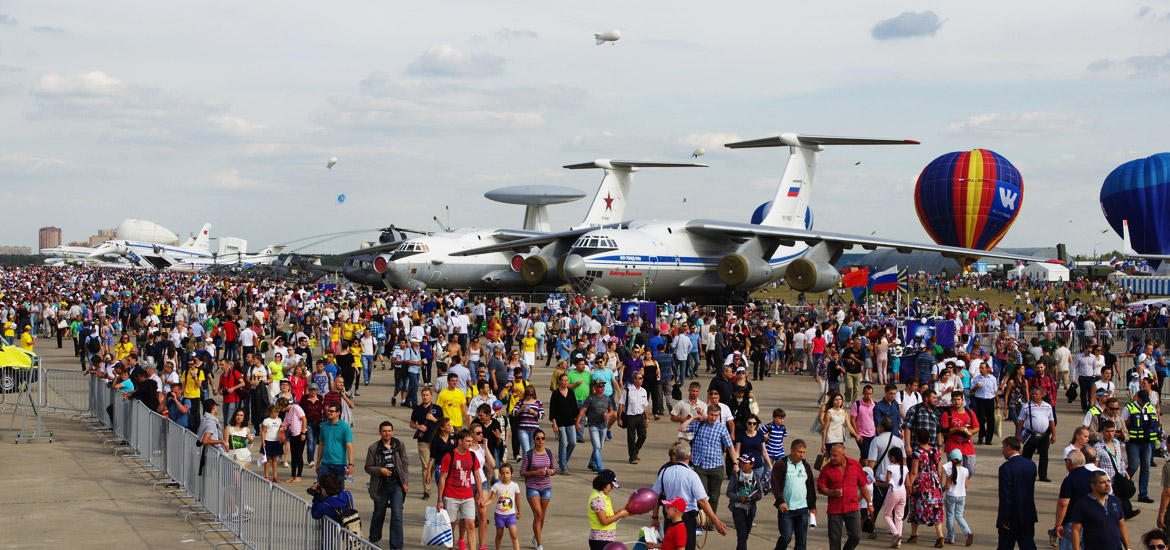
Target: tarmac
76	482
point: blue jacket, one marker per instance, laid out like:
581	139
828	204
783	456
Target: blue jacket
1017	489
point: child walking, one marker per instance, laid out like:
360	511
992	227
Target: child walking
955	485
895	504
273	447
774	434
744	489
505	492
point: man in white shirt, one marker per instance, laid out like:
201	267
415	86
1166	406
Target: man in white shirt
248	340
1037	429
633	413
1106	382
984	387
908	397
1063	356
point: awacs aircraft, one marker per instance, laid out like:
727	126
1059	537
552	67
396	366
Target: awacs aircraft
427	261
155	256
663	259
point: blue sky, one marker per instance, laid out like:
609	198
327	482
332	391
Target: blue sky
226	111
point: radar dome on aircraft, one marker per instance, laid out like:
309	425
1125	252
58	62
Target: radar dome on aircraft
612	35
331	163
536	199
968	198
1139	191
134	229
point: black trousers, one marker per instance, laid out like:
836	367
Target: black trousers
1038	442
985	414
1023	536
296	447
690	521
635	433
1087	397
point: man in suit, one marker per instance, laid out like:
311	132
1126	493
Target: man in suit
1017	518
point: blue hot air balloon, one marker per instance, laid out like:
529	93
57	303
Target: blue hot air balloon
968	198
341	198
1139	191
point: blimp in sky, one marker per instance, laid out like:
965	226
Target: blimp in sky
612	35
331	163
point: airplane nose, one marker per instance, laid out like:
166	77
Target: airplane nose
574	266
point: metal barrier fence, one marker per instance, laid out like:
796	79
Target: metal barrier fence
1119	340
244	507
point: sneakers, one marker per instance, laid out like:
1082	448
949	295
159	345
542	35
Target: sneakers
609	436
897	542
393	401
534	545
1052	538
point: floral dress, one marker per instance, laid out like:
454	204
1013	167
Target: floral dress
926	496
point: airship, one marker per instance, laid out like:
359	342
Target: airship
331	163
612	35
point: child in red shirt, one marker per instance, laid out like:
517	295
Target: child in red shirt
674	533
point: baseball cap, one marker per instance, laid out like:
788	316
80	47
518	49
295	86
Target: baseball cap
741	369
678	503
599	382
745	458
1134	375
608	476
956	454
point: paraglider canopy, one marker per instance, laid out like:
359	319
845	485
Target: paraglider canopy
698	152
341	198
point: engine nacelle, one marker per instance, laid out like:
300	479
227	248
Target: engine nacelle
381	262
808	276
739	271
534	270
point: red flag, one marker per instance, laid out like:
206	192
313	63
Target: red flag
857	278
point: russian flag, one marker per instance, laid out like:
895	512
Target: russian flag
1114	261
794	191
886	281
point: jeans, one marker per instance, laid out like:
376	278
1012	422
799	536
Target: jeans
692	364
567	441
712	479
390	493
312	433
597	439
793	527
525	440
955	506
743	525
1066	540
335	469
584	422
850	523
367	364
1140	454
412	389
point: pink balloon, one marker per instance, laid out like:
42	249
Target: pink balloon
643	500
615	545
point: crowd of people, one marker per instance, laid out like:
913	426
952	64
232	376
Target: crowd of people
269	372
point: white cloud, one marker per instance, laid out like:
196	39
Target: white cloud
235	126
512	34
446	60
89	84
709	141
1036	123
29	163
6	19
907	25
231	180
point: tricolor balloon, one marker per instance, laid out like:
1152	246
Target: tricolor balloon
968	198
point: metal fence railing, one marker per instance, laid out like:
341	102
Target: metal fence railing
224	497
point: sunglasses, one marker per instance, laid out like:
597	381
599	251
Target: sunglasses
538	439
1156	546
753	423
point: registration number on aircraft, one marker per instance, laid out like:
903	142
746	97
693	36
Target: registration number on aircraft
625	273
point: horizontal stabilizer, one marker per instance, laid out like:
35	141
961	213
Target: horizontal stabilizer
627	164
804	140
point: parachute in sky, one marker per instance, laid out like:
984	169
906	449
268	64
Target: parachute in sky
1139	191
968	198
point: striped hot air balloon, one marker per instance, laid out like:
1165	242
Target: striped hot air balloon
968	198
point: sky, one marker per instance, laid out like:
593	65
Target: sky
226	112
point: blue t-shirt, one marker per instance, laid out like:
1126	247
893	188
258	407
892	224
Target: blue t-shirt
776	434
333	440
331	368
606	375
180	418
1100	525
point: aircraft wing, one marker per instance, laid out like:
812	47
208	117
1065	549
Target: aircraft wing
787	236
542	239
516	234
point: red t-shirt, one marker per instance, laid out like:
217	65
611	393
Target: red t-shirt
228	379
674	536
229	331
959	441
462	476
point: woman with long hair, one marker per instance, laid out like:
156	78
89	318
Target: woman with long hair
895	504
528	413
926	496
537	466
833	418
1015	393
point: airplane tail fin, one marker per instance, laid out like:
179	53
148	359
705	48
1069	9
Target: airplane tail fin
203	239
791	202
609	203
1126	248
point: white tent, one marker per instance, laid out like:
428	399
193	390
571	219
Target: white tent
1040	271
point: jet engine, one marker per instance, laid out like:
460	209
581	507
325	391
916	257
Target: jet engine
806	275
534	270
380	263
739	271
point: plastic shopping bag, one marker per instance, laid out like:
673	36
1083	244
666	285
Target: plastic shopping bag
437	528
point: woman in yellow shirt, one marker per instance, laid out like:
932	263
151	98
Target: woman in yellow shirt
602	519
123	348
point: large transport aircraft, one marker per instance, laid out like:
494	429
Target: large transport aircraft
669	259
427	261
156	256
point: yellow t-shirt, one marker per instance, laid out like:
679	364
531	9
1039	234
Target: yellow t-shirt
192	383
452	401
277	369
529	344
26	341
122	349
594	520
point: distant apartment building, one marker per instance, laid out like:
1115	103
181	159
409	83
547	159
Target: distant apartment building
49	237
102	236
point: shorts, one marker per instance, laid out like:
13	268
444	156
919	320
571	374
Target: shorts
544	494
459	508
273	449
505	520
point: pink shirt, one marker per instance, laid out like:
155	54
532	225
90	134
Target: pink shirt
294	419
864	415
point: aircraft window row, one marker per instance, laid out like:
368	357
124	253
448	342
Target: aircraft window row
413	247
590	241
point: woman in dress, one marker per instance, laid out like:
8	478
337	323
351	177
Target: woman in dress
926	497
882	355
1015	392
833	418
239	439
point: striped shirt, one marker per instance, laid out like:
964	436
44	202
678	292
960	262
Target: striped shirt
293	420
529	418
533	460
775	445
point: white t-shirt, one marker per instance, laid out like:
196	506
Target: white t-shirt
271	427
959	487
505	498
898	474
907	400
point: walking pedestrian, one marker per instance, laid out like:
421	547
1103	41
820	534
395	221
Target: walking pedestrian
537	468
842	480
956	476
1016	516
678	480
1037	429
597	410
745	488
389	471
794	487
894	503
633	415
710	442
1097	520
927	506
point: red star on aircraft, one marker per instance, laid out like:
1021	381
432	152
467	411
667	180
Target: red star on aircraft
608	201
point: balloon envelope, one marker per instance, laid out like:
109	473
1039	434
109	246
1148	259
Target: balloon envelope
615	545
643	500
340	198
968	198
1139	191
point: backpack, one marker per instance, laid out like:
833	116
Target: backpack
93	344
348	518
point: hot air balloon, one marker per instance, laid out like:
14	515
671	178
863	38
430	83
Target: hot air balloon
968	198
1139	191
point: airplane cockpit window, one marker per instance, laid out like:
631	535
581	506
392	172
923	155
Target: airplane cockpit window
592	244
408	249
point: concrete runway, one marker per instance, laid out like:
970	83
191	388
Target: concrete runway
46	484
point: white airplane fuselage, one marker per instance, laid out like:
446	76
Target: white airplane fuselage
424	262
656	259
